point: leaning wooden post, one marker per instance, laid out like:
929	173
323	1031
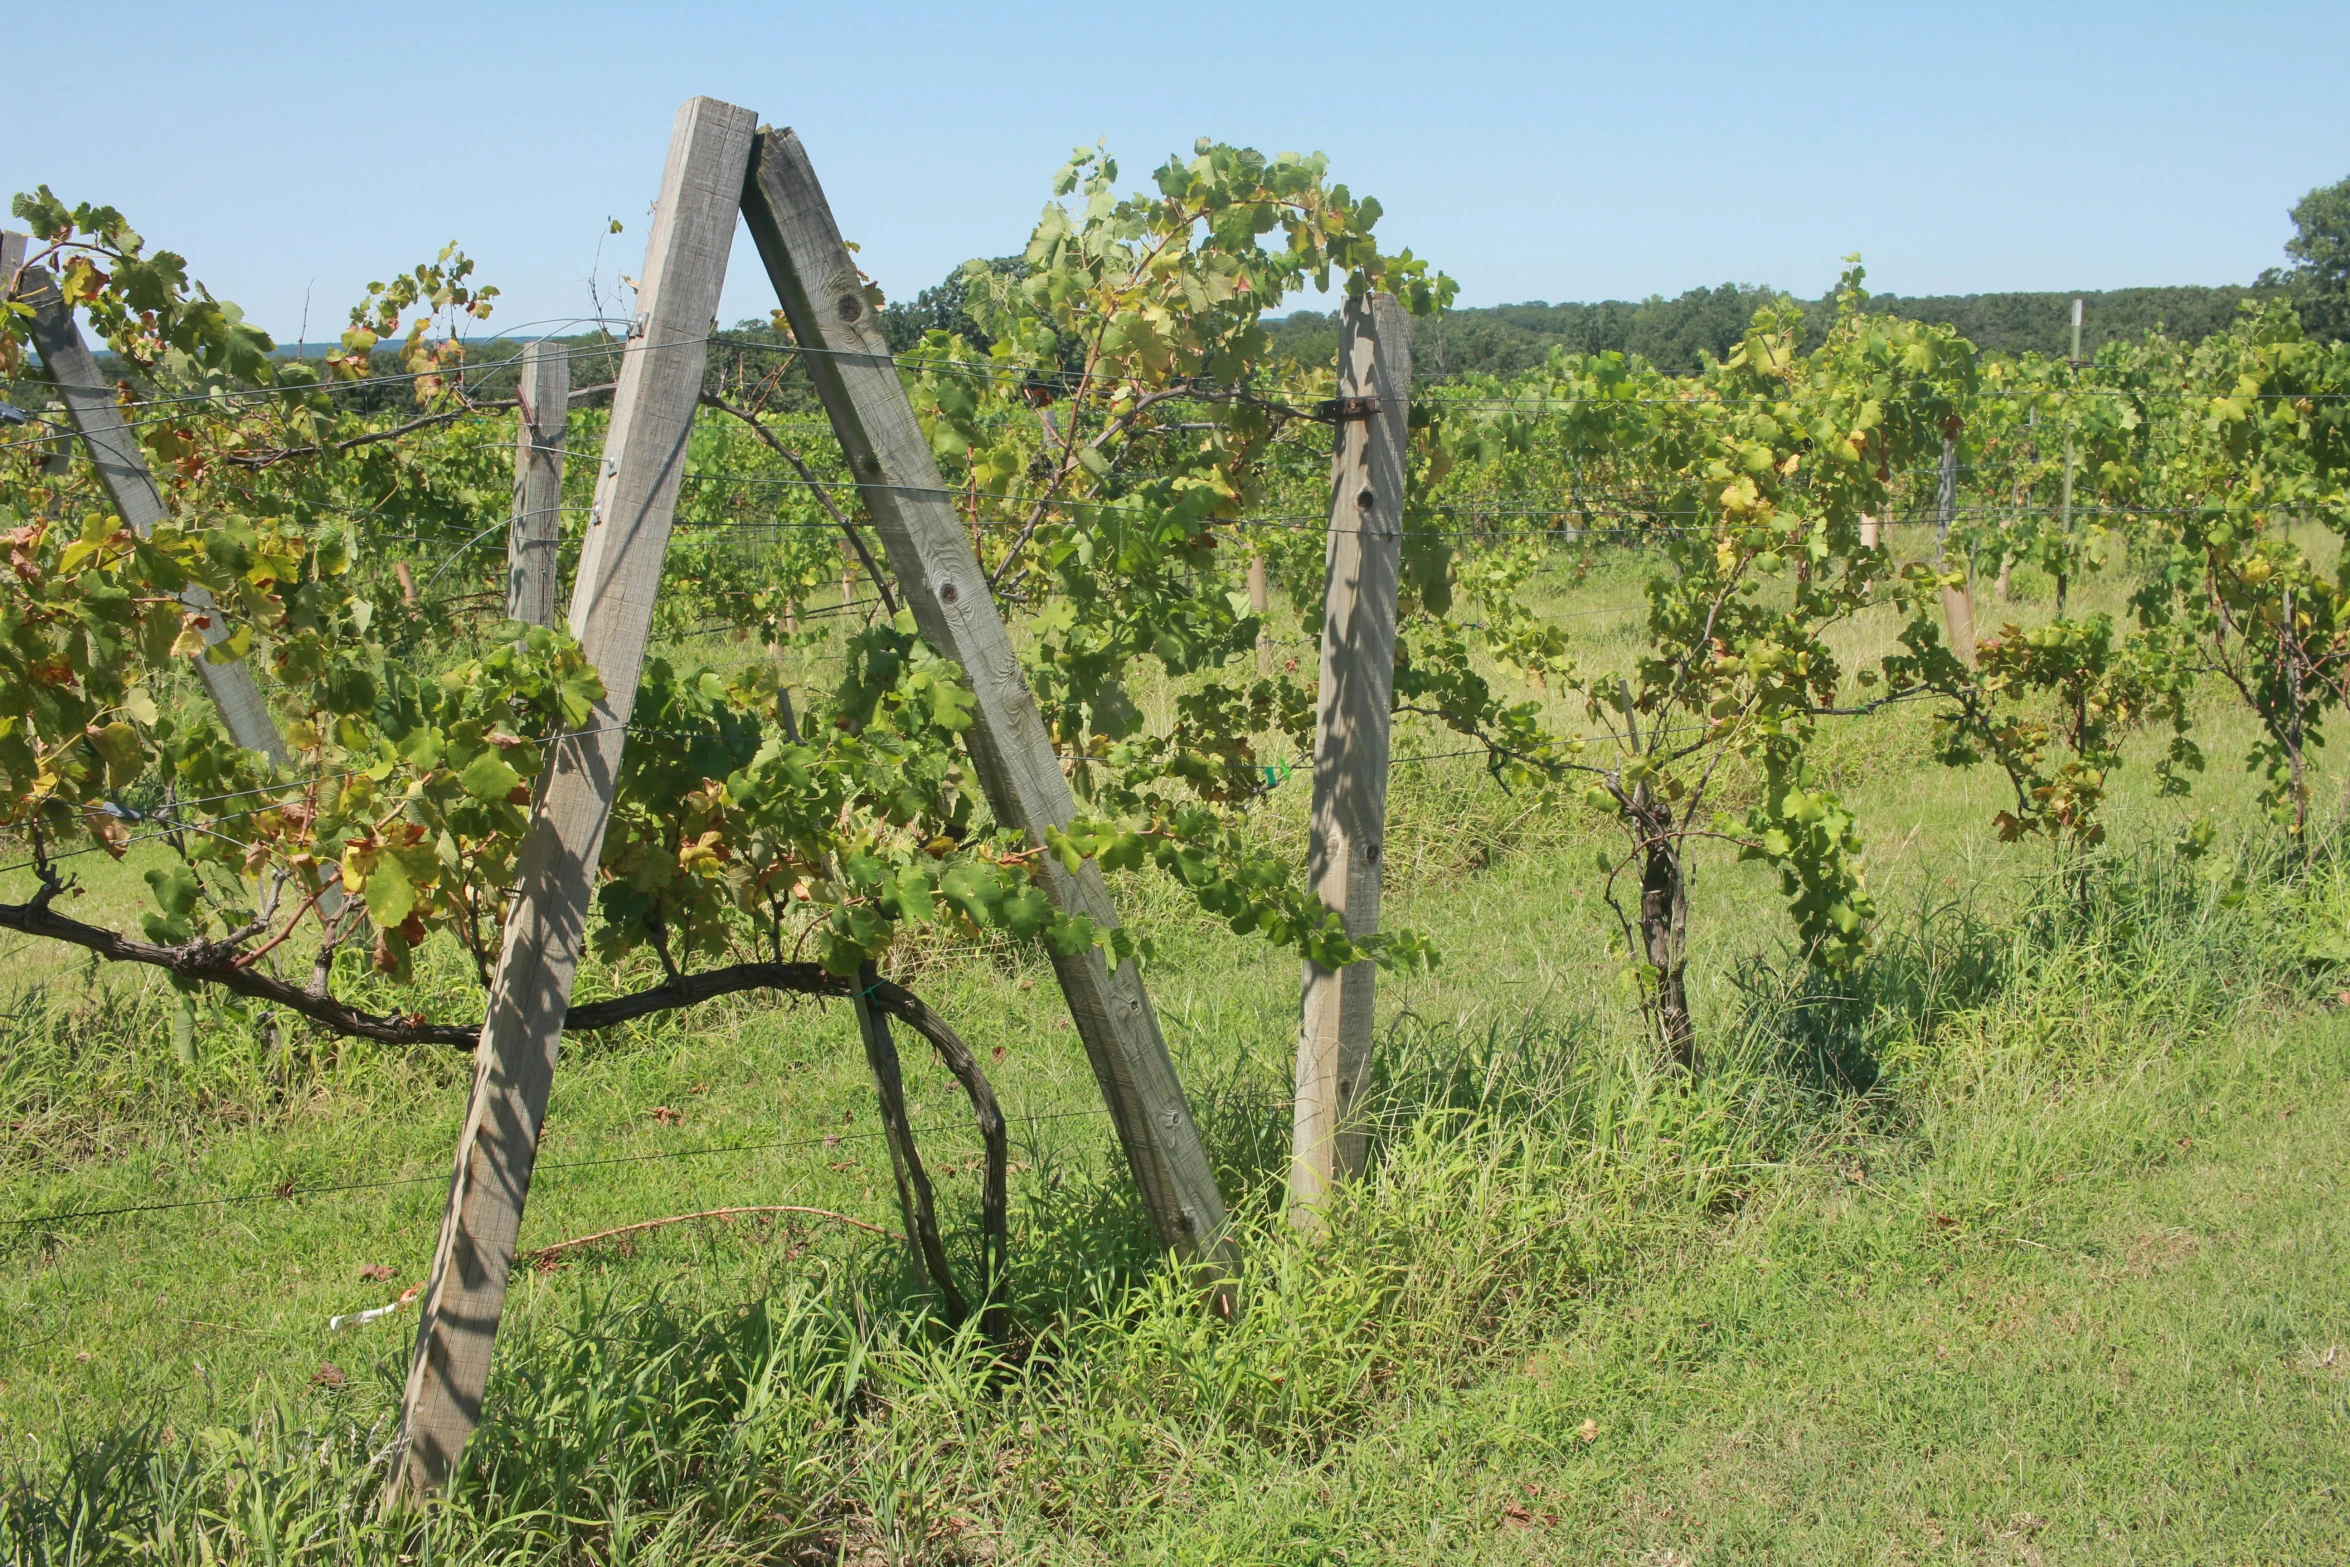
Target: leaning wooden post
1364	561
124	475
537	529
612	615
1958	609
940	578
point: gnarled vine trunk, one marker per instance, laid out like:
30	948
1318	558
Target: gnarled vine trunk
1664	928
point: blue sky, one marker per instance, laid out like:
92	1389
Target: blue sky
1533	151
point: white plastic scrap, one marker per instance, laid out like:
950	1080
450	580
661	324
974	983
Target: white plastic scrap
362	1318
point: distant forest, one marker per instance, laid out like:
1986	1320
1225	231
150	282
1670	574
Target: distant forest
1679	335
1673	333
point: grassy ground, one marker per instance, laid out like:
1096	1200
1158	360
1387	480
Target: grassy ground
2021	1241
2145	1367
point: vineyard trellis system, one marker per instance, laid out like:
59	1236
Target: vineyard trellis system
1078	472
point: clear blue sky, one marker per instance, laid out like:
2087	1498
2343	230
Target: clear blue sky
1534	152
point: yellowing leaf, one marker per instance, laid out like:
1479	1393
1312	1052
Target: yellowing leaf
390	894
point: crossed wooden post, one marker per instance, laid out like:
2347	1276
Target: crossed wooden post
721	163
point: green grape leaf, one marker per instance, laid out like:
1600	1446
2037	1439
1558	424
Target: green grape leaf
488	777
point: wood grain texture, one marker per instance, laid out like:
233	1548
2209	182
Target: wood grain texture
940	579
611	613
123	473
537	529
1346	836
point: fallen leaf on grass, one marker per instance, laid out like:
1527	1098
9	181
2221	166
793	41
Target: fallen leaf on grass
667	1116
328	1375
376	1272
1588	1430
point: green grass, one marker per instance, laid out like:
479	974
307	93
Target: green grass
2154	1367
2002	1246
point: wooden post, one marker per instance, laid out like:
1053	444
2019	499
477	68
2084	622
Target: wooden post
611	613
1958	610
1260	601
1364	561
123	473
1868	531
537	530
940	579
2066	525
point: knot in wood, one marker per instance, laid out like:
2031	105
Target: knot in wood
852	308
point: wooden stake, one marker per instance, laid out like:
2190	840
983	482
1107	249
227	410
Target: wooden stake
537	531
940	578
612	614
1364	564
124	475
1260	602
1958	610
2066	524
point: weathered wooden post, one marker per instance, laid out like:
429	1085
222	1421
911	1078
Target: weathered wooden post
124	475
537	530
1349	824
1260	602
1958	608
611	613
2065	505
939	575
